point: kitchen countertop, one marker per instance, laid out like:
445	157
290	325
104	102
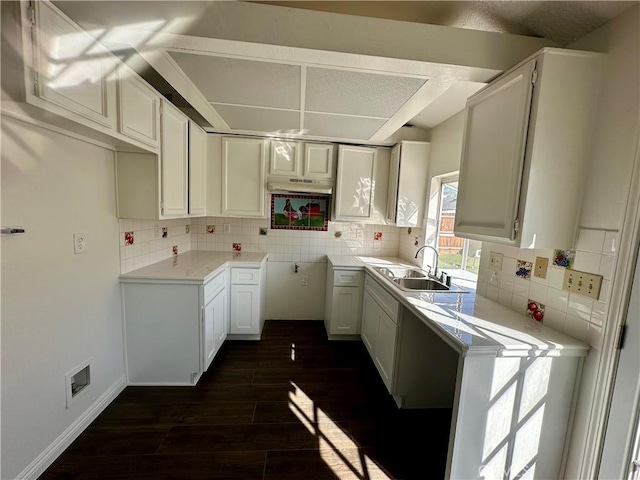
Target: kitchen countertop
195	266
471	324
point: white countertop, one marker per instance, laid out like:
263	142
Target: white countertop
470	323
195	266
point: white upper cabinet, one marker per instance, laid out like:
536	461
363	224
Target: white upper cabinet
408	177
525	142
285	158
313	161
138	108
197	173
318	161
243	177
175	158
354	183
66	69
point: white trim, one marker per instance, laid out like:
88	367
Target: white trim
47	126
616	315
53	451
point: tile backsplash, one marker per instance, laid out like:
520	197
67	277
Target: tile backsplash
209	233
143	242
576	315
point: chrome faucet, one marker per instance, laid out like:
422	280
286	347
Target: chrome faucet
437	257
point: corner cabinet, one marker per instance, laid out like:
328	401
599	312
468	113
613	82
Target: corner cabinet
408	177
525	143
197	170
343	302
355	183
173	330
243	177
175	161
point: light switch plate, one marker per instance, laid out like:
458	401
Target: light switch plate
582	283
540	268
227	228
495	261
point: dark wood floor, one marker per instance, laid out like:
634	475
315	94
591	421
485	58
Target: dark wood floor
291	406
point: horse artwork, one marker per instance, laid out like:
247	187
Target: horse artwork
299	212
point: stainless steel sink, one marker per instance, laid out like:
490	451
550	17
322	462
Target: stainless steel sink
422	284
401	272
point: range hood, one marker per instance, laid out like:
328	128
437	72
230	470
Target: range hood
297	185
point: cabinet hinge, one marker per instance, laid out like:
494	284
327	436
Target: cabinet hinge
622	333
516	225
31	11
534	76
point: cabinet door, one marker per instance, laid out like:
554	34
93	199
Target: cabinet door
214	330
245	309
138	108
370	323
318	160
175	153
354	183
386	348
392	195
73	71
243	177
412	190
285	158
197	174
493	151
345	311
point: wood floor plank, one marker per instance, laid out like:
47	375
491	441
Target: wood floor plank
290	406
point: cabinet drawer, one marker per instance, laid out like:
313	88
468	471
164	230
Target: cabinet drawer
245	276
383	298
212	287
347	278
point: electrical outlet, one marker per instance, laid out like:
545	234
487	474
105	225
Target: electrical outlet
540	269
157	232
495	261
227	228
79	243
305	281
582	283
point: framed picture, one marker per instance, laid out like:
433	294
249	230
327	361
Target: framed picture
299	212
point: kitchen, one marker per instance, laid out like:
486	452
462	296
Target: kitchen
53	195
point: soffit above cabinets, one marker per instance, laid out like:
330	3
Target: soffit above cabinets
285	98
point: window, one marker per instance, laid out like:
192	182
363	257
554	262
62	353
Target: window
460	257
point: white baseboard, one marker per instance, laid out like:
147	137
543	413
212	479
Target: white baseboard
60	444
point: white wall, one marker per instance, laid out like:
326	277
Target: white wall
609	171
58	309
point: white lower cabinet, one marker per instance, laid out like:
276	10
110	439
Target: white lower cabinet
247	302
343	302
173	330
215	325
380	313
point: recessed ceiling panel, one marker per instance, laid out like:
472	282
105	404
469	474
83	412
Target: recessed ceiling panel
357	93
258	119
340	126
243	82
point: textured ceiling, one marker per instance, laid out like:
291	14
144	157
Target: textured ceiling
560	21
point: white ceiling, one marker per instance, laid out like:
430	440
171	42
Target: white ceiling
266	69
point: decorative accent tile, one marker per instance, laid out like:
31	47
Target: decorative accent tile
377	235
300	212
564	258
523	269
263	231
211	229
175	249
535	310
237	247
165	232
128	238
338	234
187	228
